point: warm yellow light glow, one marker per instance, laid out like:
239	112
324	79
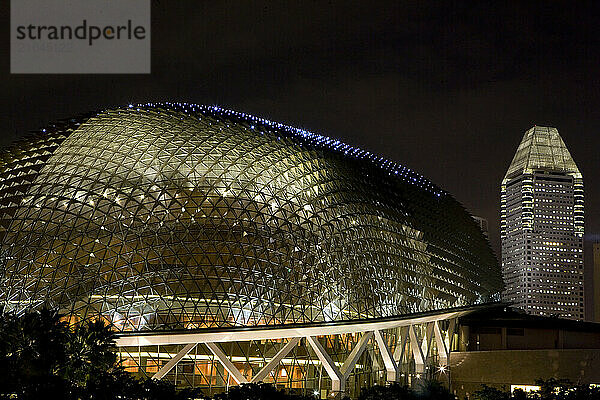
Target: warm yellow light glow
525	388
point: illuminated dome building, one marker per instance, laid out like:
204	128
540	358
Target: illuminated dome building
169	217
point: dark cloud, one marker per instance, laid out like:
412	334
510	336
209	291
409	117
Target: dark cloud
447	88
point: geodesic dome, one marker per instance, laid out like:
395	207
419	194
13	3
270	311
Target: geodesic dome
176	216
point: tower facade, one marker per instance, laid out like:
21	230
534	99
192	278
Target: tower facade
542	226
483	225
596	279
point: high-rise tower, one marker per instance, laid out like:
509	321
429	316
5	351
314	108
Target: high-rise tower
483	225
596	279
542	227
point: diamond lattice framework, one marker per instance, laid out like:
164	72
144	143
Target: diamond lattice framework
176	216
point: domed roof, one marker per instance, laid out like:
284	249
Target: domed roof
171	216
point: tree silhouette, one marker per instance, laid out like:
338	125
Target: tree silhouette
425	390
258	391
43	357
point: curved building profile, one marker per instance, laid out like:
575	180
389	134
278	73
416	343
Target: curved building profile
167	217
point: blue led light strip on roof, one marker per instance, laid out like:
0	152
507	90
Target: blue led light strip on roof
319	141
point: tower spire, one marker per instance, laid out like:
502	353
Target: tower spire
542	148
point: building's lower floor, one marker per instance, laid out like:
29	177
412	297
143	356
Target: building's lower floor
463	349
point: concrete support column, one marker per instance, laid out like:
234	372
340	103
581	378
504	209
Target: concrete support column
338	382
416	350
440	343
264	372
174	361
227	364
391	367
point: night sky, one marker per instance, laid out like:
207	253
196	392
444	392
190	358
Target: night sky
445	88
